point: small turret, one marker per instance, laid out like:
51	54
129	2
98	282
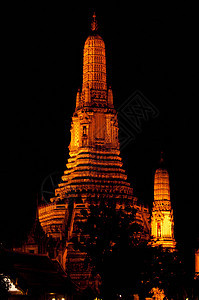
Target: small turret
78	98
162	222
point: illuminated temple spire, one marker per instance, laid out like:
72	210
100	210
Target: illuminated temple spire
94	171
162	223
94	61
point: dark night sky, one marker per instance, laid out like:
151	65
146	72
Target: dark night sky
150	49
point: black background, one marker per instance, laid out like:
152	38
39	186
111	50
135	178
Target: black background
152	49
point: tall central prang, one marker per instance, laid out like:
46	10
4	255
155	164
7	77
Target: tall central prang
94	170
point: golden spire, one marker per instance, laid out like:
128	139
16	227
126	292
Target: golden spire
94	61
162	222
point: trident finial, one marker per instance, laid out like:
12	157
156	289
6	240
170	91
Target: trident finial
94	25
161	157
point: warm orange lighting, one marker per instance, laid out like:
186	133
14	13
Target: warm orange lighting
161	185
157	294
94	64
162	223
94	170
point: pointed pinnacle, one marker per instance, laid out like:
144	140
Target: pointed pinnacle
94	25
161	157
